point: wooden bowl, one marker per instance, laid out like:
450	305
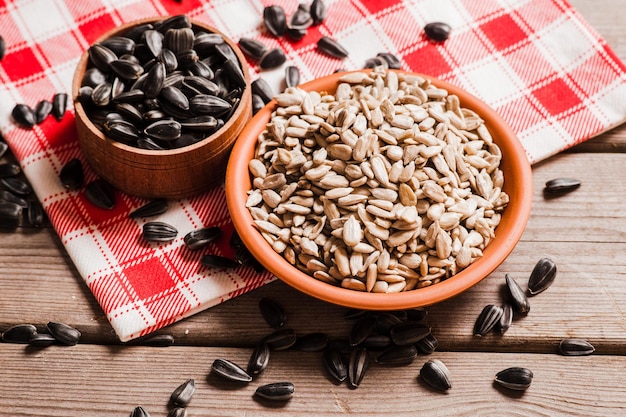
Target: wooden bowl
175	173
518	185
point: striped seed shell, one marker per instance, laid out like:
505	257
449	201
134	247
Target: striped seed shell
272	312
397	355
336	367
506	319
181	396
59	105
10	215
358	365
408	333
152	208
311	342
234	72
7	196
165	130
72	175
8	169
173	22
514	378
542	276
179	40
159	232
517	295
427	345
575	347
177	412
384	322
24	115
487	319
153	39
361	329
126	70
292	76
101	57
253	48
392	61
272	58
199	238
100	194
276	391
19	333
280	339
261	88
230	370
35	214
41	340
63	333
562	185
259	359
42	110
301	18
317	11
257	103
217	261
331	47
377	342
17	185
139	411
205	104
173	96
93	77
204	123
120	45
154	80
158	340
295	34
436	374
275	20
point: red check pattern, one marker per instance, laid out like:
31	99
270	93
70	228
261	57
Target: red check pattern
537	62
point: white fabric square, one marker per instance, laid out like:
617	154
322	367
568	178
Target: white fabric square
541	138
569	54
493	80
247	18
450	11
353	40
82	242
41	19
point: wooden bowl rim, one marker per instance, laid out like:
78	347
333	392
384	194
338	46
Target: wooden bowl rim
518	184
81	114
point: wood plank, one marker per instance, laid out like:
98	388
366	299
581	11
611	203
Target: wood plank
584	232
103	381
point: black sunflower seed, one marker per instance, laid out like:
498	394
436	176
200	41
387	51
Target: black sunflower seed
10	215
72	174
205	123
375	62
436	374
575	347
392	61
3	47
20	333
153	81
179	40
334	364
377	342
101	94
159	340
9	197
121	131
24	115
177	412
126	69
59	105
159	232
408	333
292	76
93	77
165	130
154	41
506	319
199	238
259	359
276	391
101	57
35	214
139	411
173	22
281	339
542	276
317	11
205	42
234	72
361	329
174	97
41	340
63	333
204	104
17	185
181	396
201	69
100	194
562	185
272	312
515	378
397	355
152	208
384	322
201	85
3	148
275	20
230	370
261	88
257	103
8	169
331	47
217	261
253	48
311	342
427	345
357	367
301	18
437	31
42	110
295	34
487	319
120	45
517	296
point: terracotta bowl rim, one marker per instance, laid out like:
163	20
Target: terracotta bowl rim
518	184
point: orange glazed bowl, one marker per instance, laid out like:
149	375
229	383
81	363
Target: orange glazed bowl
517	184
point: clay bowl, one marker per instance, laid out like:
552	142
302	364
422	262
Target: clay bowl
518	184
173	173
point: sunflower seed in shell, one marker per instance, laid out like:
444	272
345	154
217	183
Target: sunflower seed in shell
275	20
358	365
165	130
176	98
152	208
177	412
334	364
416	314
17	185
272	312
575	347
437	31
127	70
257	103
42	110
101	94
3	148
201	69
100	194
408	333
63	333
8	197
205	42
317	11
311	342
121	131
199	238
173	22
41	340
139	411
202	85
517	295
19	333
281	339
234	72
292	76
10	215
427	345
181	396
301	18
230	371
3	47
168	58
295	34
35	214
159	232
542	276
153	82
24	115
158	340
384	322
331	47
562	185
397	355
59	105
204	104
153	39
506	319
217	261
392	61
101	57
120	45
514	378
204	123
487	319
179	40
436	374
259	359
261	88
253	48
72	174
361	329
273	58
276	391
8	169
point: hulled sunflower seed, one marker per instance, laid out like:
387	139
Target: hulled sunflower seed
273	58
230	371
281	339
506	319
259	359
217	261
199	238
72	174
331	47
41	340
436	374
181	396
575	347
336	367
10	215
59	105
24	115
397	355
487	319
42	110
19	333
515	378
272	312
311	342
17	185
139	411
409	333
562	185
517	295
437	31
275	20
358	365
292	76
253	48
159	232
427	345
100	194
276	391
542	276
63	333
152	208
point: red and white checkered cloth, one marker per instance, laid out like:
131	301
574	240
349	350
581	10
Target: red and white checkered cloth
537	62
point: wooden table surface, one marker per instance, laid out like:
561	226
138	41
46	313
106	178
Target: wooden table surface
584	232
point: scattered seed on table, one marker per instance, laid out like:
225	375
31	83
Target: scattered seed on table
3	47
397	355
408	333
59	105
514	378
273	313
10	215
42	110
275	20
517	295
100	194
311	342
575	347
24	115
436	374
427	345
301	18
261	88
437	31
542	276
150	209
292	76
334	364
181	396
357	367
217	261
253	48
273	58
72	174
177	411
384	322
331	47
230	371
377	342
200	238
295	34
159	232
19	333
139	411
63	333
159	340
317	11
562	185
257	103
17	186
276	391
41	340
8	169
392	61
281	339
259	359
487	319
506	319
35	214
361	329
9	197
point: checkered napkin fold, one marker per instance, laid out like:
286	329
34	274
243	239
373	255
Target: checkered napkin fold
536	62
